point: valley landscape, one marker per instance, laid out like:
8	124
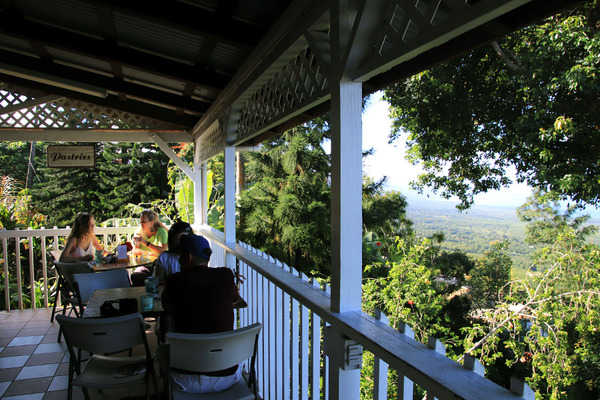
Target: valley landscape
472	231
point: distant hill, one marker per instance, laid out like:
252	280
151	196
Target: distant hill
472	231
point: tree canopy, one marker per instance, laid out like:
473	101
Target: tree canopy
528	101
125	173
545	329
285	207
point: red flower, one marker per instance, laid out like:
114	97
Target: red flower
378	243
129	246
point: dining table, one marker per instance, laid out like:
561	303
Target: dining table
99	296
132	261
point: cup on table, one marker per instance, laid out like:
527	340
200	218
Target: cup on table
145	254
151	284
147	301
99	254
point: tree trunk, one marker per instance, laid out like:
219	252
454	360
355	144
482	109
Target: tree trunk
30	170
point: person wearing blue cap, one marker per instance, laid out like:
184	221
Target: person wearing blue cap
200	300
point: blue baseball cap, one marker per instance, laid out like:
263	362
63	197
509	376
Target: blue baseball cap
195	245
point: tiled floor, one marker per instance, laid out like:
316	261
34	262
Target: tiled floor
34	366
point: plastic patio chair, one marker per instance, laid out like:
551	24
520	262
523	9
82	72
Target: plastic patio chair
98	336
65	287
211	352
85	284
65	284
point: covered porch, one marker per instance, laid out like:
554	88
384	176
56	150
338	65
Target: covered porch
226	76
296	348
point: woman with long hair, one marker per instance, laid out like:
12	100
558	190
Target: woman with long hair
152	235
82	242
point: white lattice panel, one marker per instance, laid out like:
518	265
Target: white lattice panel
297	84
212	143
411	27
70	114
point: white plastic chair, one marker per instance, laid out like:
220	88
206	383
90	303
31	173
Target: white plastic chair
66	289
106	336
87	283
211	352
66	284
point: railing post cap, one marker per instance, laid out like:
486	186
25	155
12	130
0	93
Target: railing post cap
436	345
520	388
474	365
404	328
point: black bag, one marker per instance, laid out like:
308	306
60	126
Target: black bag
114	308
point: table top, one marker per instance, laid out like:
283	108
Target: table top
92	310
132	262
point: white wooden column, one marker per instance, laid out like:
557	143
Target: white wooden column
198	176
201	195
229	185
346	197
346	201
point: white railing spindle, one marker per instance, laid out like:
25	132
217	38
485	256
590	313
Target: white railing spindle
315	342
294	356
380	369
32	273
44	272
405	385
19	274
6	274
304	342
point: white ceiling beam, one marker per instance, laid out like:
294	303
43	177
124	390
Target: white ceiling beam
87	135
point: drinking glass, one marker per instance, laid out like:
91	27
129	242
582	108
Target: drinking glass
147	300
151	284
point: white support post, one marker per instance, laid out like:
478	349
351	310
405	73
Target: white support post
203	192
198	177
346	199
229	184
199	181
346	194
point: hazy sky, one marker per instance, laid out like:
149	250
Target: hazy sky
389	160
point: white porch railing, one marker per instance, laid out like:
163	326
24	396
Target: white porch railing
32	249
295	313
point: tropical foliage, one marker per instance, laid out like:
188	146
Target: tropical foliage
546	327
125	173
285	208
528	104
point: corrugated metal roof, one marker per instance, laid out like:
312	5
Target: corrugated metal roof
172	60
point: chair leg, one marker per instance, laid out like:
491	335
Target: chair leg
53	308
56	297
155	383
64	310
